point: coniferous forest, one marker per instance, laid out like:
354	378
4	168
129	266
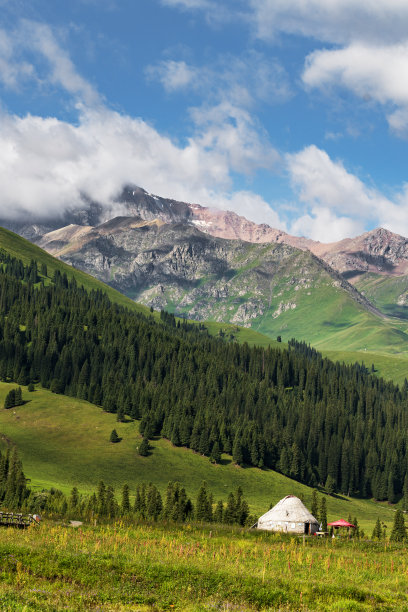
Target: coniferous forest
290	410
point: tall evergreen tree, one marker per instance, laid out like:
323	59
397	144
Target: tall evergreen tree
323	513
399	530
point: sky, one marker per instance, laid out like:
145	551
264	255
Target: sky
289	112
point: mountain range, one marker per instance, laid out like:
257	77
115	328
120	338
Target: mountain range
211	264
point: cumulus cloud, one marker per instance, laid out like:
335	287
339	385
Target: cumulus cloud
324	225
249	205
371	72
340	203
337	21
46	165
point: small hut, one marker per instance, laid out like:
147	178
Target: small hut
289	515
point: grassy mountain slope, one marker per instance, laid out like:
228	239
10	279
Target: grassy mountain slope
271	288
64	442
26	251
388	293
390	367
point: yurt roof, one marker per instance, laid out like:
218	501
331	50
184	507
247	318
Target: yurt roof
290	509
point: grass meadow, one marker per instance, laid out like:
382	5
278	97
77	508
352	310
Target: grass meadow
195	568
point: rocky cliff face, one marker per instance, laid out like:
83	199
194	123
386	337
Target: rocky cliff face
113	241
379	251
176	266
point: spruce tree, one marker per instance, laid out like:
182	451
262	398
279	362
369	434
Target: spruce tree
323	514
215	453
399	531
377	531
114	437
74	498
203	510
219	512
10	400
330	485
144	447
125	506
315	504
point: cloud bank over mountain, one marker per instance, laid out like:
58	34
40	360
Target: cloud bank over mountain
225	157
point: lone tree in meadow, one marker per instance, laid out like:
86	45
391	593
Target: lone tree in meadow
144	447
114	436
13	398
399	531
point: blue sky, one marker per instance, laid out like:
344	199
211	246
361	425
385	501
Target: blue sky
289	112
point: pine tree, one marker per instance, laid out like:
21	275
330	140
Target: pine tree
356	530
114	437
377	531
74	498
230	510
323	514
10	400
125	506
203	511
330	485
144	447
215	453
315	504
399	531
18	397
237	454
219	512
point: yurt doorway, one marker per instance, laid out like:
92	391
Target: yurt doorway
307	527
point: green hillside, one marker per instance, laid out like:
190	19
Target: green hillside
21	248
388	293
64	442
390	367
26	251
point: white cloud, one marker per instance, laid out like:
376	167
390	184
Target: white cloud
47	164
189	4
378	73
39	38
249	205
173	75
233	133
12	70
30	40
242	81
214	11
324	225
337	21
340	203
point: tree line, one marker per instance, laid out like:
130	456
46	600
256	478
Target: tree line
318	422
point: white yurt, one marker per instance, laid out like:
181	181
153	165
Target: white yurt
289	515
